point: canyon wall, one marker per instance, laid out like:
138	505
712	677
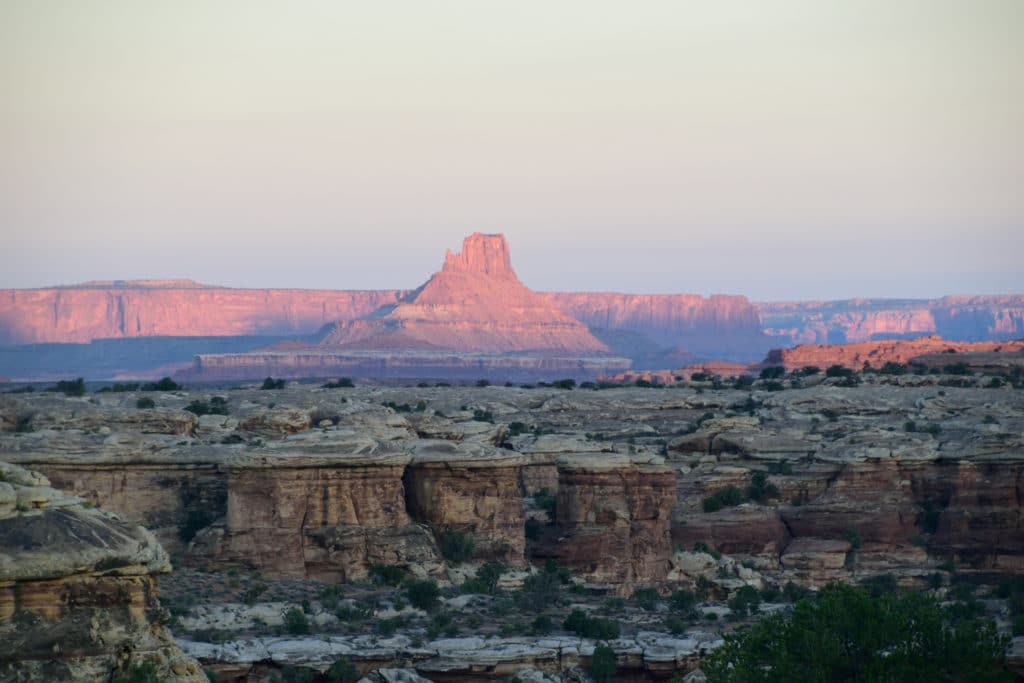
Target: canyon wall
931	351
955	318
82	313
720	326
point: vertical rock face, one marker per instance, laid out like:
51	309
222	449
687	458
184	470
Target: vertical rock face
614	513
470	490
78	598
481	254
720	327
315	517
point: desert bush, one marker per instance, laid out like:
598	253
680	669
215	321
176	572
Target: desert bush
585	626
343	671
775	372
69	387
646	598
603	664
729	496
387	574
270	384
296	623
164	384
423	594
760	489
341	383
145	402
457	546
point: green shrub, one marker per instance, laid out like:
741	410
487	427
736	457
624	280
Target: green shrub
729	496
343	671
546	502
216	406
956	369
486	578
480	415
743	382
165	384
585	626
145	402
270	384
69	387
910	426
387	574
684	602
541	625
143	672
745	602
838	371
760	488
603	664
810	370
342	383
891	368
423	594
846	635
646	598
296	623
194	522
457	546
780	468
775	372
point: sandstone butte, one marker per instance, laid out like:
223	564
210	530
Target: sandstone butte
475	303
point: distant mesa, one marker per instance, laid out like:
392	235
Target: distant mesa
475	303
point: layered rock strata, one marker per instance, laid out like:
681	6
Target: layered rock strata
78	590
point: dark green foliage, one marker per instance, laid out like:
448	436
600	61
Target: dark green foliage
480	415
194	521
144	672
775	372
929	519
293	674
745	602
883	584
343	671
423	594
743	382
760	488
700	377
483	383
541	625
772	385
794	592
602	664
296	623
486	579
646	598
780	468
846	635
70	387
270	384
956	369
27	389
457	546
891	368
585	626
387	627
933	429
854	537
145	402
810	370
120	388
341	383
252	594
564	384
702	547
546	502
387	574
729	496
165	384
216	406
830	414
532	529
838	371
684	603
544	588
910	426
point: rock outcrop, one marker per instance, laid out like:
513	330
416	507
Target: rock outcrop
78	594
956	318
930	351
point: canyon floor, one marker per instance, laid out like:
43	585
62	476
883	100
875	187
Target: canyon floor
308	525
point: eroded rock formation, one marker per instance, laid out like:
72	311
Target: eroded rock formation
78	595
930	351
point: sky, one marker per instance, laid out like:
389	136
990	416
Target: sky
782	149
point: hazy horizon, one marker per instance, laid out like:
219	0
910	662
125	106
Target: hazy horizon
791	150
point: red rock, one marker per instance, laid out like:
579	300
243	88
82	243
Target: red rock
878	353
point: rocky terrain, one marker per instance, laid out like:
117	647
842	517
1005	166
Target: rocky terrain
651	507
955	318
78	590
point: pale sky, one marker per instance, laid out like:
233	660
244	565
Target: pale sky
813	149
